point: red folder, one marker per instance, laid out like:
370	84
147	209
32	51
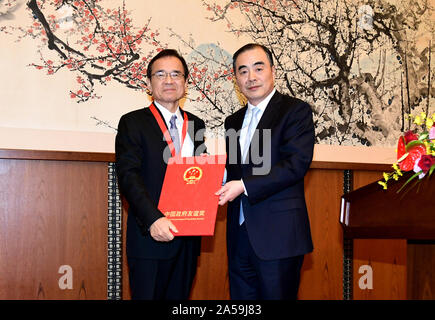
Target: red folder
188	194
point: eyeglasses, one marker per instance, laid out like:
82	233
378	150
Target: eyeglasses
175	75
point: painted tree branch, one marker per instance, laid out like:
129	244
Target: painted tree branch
319	44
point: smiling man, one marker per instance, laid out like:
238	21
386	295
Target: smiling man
268	230
161	266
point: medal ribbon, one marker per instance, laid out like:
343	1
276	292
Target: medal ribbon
165	130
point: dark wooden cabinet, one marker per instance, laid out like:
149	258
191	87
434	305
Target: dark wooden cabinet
394	233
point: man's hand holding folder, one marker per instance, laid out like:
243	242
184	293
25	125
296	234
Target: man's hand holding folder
188	196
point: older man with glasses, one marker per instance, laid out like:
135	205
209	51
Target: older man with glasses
161	266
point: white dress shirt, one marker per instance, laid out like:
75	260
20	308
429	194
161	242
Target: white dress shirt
244	130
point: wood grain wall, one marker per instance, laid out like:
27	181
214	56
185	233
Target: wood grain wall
386	257
322	271
53	213
421	266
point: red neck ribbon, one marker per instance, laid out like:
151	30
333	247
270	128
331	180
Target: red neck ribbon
165	131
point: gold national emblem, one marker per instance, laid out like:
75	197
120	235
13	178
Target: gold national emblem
192	175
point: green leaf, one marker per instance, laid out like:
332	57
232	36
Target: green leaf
409	180
431	169
423	136
413	144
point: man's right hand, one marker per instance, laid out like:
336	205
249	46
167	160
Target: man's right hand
161	230
230	191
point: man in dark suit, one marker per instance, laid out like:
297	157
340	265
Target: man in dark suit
161	266
268	230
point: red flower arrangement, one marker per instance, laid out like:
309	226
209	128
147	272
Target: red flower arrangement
415	152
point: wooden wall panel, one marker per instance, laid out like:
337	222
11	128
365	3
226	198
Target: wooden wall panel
126	295
322	272
211	282
386	257
362	178
53	213
421	266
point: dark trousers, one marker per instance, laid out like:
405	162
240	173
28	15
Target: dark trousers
254	279
169	279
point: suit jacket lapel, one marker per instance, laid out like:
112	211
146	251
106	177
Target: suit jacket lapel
155	124
270	113
238	118
238	122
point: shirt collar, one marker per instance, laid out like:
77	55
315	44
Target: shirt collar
168	114
263	104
